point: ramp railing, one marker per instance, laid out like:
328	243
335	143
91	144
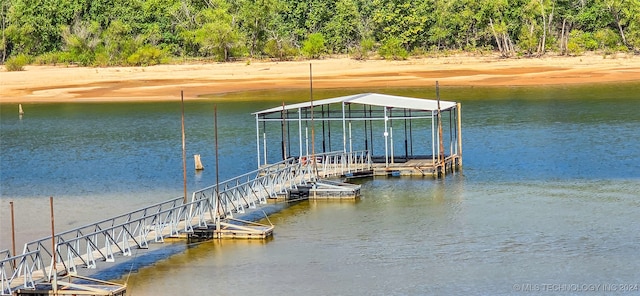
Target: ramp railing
253	188
105	240
339	163
20	270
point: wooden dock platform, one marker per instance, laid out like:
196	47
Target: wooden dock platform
324	189
418	167
231	228
75	285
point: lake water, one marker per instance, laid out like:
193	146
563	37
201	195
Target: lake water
548	200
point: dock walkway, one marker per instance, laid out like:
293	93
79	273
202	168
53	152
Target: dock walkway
111	239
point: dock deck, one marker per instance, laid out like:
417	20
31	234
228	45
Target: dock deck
418	167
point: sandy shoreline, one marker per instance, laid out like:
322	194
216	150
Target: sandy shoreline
164	82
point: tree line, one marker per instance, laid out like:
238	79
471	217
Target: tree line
146	32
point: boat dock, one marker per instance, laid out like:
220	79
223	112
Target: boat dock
427	142
402	135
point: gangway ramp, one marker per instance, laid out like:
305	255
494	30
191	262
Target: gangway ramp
115	238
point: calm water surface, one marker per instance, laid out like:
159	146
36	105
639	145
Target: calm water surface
548	199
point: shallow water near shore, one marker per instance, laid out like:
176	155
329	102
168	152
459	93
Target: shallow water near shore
548	195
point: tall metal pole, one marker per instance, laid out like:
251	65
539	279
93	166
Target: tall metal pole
366	139
459	133
324	141
215	122
344	130
371	129
313	135
54	272
300	132
386	139
440	140
391	135
258	138
284	133
184	151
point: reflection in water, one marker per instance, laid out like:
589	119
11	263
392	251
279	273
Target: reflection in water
548	195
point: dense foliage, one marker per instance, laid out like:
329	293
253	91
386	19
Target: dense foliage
146	32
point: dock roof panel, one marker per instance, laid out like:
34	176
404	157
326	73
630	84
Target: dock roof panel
372	99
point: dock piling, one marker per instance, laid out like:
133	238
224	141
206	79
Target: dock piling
198	162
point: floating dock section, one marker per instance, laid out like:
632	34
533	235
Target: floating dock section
74	285
231	228
324	189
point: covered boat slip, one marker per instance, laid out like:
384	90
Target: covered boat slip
402	135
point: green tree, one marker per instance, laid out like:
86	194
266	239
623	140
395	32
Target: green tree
606	38
440	30
254	17
343	30
4	8
291	22
472	25
393	49
217	34
313	47
361	52
502	21
632	12
280	49
125	31
159	24
319	13
580	41
34	25
281	39
81	40
625	14
119	42
533	34
405	19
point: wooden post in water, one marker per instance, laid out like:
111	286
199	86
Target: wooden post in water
198	162
13	234
184	151
54	272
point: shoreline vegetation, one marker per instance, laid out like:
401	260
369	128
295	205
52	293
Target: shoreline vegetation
197	79
152	49
151	32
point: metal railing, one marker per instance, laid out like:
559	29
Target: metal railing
253	188
339	163
102	241
23	268
248	190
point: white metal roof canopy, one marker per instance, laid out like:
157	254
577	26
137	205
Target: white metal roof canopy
373	99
